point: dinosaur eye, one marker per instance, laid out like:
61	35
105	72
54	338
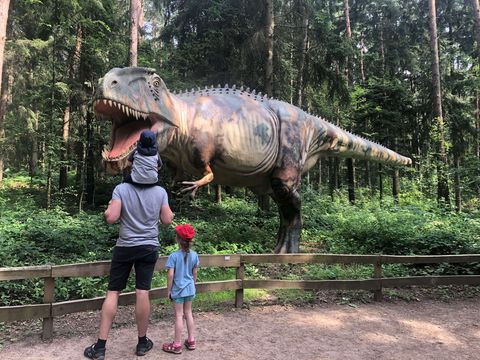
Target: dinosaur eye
156	82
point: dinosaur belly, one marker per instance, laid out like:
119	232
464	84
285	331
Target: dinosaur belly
248	145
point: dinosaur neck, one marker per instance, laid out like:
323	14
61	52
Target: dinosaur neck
177	110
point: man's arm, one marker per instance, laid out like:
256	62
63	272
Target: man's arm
166	214
112	214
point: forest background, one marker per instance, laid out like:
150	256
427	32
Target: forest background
402	73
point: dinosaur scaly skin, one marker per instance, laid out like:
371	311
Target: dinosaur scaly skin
235	136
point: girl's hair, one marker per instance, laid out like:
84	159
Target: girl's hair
185	245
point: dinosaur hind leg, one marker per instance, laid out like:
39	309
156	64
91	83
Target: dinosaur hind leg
289	208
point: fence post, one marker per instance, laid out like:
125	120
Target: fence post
239	292
48	298
377	274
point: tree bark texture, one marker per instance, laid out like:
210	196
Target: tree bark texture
264	200
4	6
303	57
476	14
134	17
269	29
395	185
351	179
218	194
348	34
72	74
319	175
90	162
443	192
457	184
380	182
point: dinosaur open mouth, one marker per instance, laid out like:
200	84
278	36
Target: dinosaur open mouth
127	124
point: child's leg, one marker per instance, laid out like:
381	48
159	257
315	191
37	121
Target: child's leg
178	323
187	309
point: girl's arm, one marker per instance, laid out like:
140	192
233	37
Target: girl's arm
170	274
195	272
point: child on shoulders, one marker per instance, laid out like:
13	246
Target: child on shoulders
145	160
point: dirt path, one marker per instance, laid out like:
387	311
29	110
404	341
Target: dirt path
422	330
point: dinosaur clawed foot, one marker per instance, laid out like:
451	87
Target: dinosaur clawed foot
192	188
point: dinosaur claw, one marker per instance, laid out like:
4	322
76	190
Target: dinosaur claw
192	188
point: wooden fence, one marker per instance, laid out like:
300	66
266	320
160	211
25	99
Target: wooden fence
50	309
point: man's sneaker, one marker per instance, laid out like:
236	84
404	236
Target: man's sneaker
92	353
144	347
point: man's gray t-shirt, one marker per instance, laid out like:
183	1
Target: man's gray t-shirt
140	213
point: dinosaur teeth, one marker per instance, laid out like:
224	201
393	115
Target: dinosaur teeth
105	101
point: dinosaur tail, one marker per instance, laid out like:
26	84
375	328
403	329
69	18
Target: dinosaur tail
342	143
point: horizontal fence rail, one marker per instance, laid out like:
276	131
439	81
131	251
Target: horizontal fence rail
50	309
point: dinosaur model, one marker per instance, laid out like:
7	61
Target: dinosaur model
237	137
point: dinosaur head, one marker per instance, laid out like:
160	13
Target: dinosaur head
134	99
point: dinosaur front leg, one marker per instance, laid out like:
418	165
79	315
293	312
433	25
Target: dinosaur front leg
194	185
289	208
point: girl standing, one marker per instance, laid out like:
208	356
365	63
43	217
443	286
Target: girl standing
182	268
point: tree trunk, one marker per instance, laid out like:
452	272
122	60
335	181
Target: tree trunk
319	177
368	175
134	17
269	28
382	49
218	194
362	67
264	200
4	96
72	74
476	14
336	173
63	172
303	57
348	34
395	185
331	177
380	182
477	124
141	21
351	179
90	162
458	192
4	6
34	157
443	193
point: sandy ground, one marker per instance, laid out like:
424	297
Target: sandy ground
418	330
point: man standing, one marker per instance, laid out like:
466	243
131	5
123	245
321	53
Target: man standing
139	208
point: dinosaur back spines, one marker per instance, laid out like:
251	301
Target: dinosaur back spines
219	90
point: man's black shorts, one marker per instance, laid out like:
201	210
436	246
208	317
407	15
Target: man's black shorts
143	257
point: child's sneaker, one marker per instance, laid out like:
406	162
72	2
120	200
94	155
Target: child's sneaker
190	345
172	348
